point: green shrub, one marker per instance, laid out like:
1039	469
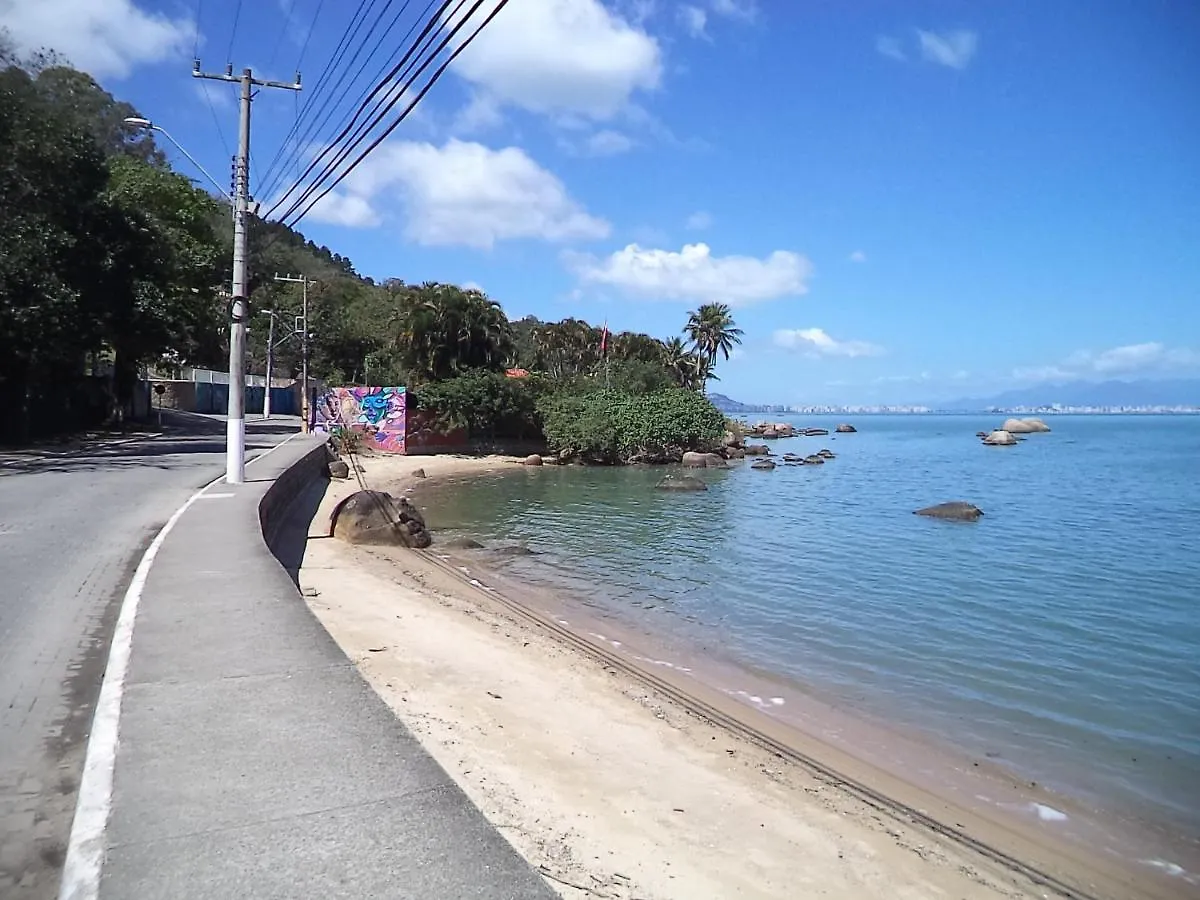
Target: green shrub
618	427
486	404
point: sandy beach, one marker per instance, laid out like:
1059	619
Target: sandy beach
617	781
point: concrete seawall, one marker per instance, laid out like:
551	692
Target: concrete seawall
254	761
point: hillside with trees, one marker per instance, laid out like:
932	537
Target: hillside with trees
114	262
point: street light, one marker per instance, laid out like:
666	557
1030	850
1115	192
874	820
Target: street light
235	424
146	124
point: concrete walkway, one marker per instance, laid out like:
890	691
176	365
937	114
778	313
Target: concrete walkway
253	760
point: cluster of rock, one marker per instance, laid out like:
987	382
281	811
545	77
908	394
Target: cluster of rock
775	430
378	518
955	511
1006	434
795	459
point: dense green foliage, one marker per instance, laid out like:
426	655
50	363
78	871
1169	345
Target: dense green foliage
610	426
487	404
109	258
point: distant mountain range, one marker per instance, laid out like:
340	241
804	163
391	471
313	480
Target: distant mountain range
1076	394
727	405
1172	392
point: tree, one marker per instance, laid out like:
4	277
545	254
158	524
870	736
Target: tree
441	331
712	331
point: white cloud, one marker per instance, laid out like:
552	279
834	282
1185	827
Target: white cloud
948	48
746	10
890	47
463	193
858	256
694	274
699	220
106	38
693	19
815	342
607	143
348	210
481	113
1148	358
561	56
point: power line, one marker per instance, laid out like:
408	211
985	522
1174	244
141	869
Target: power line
237	14
287	20
216	119
196	33
320	82
422	44
364	97
308	37
425	90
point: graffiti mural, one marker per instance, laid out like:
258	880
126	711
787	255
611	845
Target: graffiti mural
378	412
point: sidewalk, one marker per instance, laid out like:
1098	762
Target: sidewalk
253	761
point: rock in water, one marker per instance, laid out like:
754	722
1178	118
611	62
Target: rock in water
956	510
1024	426
462	543
338	469
378	518
703	461
846	429
532	460
825	454
758	450
681	483
1000	438
763	465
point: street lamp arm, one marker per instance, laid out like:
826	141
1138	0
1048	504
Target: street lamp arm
150	126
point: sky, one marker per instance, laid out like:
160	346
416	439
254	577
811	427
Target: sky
901	201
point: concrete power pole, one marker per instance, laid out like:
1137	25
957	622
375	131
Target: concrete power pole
301	328
235	425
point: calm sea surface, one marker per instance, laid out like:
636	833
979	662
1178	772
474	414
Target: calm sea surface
1061	632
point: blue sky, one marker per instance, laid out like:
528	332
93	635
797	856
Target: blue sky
901	201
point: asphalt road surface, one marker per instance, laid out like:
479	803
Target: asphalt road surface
73	525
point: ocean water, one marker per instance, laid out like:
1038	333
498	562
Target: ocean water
1060	633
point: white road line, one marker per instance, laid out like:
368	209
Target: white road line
85	848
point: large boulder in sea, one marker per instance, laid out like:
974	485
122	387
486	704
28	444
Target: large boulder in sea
1000	438
846	429
758	450
703	461
681	483
1024	426
378	518
533	459
762	465
956	511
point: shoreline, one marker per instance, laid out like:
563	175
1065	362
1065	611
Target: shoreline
914	811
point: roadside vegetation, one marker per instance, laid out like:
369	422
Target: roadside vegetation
114	262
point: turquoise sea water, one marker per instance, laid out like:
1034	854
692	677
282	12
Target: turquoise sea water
1060	633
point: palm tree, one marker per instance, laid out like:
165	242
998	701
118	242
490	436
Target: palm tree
677	360
712	331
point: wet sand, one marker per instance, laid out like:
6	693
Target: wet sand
622	768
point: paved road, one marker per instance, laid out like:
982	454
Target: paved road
73	525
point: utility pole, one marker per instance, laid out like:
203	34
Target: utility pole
301	328
239	314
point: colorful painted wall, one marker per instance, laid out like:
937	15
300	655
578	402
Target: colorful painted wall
378	412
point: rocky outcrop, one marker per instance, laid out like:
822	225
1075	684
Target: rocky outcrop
339	469
956	511
814	460
378	518
762	465
693	460
681	483
816	432
758	450
1000	438
846	429
826	454
1025	426
532	460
